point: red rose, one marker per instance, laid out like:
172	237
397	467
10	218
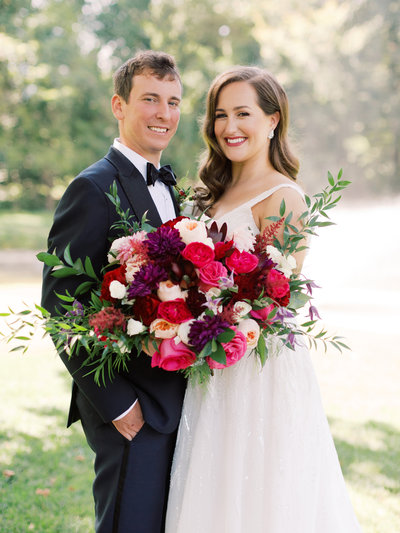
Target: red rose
198	253
173	356
174	311
211	274
241	262
222	248
145	309
117	274
234	349
171	223
277	284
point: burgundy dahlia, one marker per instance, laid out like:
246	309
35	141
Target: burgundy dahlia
195	300
203	331
164	243
146	280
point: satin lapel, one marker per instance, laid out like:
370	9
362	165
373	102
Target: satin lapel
135	188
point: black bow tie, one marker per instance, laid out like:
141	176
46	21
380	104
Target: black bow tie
164	174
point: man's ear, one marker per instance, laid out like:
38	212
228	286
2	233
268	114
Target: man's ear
117	106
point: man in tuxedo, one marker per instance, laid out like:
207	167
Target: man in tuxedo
131	421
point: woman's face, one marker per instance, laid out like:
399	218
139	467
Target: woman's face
241	127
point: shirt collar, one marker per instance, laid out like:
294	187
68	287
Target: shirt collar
137	160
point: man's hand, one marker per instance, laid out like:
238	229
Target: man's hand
131	423
151	350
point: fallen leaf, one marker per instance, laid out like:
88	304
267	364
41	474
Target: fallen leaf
8	473
43	492
79	457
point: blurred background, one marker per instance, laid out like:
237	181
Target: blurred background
339	62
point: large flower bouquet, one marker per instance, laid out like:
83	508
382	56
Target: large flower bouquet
196	295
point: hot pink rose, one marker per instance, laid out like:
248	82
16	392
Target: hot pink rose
173	356
262	314
241	262
234	349
277	284
174	311
198	253
211	274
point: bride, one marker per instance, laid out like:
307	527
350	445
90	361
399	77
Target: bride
254	451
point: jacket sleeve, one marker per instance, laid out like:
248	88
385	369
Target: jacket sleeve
83	219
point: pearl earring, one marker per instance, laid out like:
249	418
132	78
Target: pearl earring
271	134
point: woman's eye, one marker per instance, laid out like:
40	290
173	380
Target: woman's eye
244	114
220	115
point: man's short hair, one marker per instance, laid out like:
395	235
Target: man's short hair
158	64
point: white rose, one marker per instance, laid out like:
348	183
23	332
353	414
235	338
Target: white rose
117	290
251	330
163	329
168	291
183	331
134	327
241	309
192	230
243	238
213	292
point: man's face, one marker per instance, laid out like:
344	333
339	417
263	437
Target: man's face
149	120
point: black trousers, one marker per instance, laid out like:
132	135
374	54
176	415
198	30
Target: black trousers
131	477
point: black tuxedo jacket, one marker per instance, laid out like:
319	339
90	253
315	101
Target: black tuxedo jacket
83	219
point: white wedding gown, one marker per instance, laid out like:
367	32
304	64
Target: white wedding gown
254	452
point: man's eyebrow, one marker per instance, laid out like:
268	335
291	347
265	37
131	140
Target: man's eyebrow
158	96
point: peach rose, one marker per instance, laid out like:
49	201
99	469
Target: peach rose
192	230
251	330
163	329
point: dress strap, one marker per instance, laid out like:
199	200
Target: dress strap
269	192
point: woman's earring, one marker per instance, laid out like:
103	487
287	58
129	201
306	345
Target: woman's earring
271	134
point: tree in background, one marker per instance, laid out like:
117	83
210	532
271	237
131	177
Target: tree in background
339	62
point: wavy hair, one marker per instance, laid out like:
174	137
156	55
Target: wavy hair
215	169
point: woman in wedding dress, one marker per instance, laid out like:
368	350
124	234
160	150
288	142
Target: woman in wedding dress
254	451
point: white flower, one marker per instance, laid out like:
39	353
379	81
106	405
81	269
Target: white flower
163	329
251	330
213	292
286	265
134	327
183	331
243	238
169	291
192	231
241	309
117	290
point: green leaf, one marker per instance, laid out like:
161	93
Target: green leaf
226	335
298	300
65	297
83	287
89	268
262	349
49	259
219	355
67	255
64	272
282	208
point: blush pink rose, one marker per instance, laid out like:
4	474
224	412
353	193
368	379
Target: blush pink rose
262	314
241	262
234	349
211	274
174	311
173	356
277	284
198	253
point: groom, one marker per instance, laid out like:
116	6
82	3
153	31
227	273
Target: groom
131	421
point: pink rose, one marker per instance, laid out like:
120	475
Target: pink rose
262	314
234	349
211	274
241	262
277	284
198	253
173	356
174	311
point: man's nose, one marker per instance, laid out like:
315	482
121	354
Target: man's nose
163	110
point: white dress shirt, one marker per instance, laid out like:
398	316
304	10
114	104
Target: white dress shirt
159	193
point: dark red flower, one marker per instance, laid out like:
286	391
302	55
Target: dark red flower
145	309
117	274
171	223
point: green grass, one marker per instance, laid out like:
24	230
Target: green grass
23	230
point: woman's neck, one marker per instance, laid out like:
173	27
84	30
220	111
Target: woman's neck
251	171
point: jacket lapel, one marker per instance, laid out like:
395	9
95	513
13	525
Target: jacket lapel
135	188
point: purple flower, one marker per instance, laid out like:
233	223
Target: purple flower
206	329
282	313
313	311
76	310
164	243
146	280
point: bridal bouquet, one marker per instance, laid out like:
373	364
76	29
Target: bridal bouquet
201	295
